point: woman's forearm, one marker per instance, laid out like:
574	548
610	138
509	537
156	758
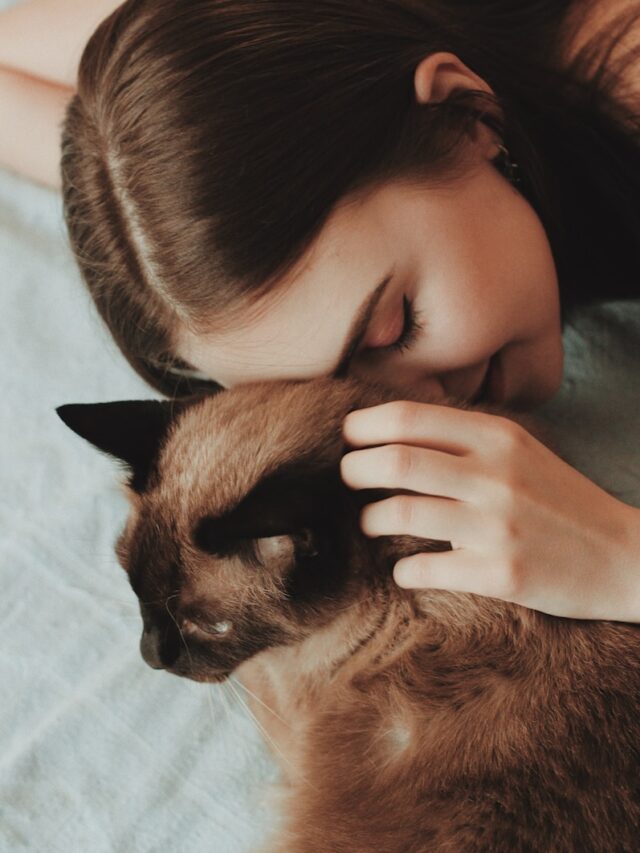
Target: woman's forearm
31	114
41	42
45	38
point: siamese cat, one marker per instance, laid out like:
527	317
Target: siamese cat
409	720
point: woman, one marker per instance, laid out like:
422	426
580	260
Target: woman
415	191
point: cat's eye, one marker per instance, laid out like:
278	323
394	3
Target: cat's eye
214	629
220	628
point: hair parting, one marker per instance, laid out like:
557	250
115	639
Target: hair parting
209	142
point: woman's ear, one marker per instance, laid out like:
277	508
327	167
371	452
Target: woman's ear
440	74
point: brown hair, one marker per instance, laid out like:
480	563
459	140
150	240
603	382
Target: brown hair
209	142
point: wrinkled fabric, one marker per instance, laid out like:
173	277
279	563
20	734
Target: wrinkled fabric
98	752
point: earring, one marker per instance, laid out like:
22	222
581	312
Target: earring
506	165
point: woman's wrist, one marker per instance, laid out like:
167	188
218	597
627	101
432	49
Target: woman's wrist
31	113
45	38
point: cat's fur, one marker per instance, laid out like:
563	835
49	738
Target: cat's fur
412	721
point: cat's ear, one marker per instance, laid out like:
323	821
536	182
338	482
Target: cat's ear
131	430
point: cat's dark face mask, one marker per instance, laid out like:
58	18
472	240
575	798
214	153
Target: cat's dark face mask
242	535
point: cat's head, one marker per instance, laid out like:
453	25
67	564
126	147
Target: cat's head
241	534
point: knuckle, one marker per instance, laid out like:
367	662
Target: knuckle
399	462
402	415
510	578
402	511
492	494
511	527
506	534
501	492
500	508
507	436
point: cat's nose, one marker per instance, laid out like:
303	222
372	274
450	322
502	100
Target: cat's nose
149	649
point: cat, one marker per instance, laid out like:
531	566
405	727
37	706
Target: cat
406	720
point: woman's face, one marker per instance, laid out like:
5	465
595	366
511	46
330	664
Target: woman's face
470	260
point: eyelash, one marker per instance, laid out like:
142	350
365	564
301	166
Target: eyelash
412	327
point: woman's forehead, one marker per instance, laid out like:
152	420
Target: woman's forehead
299	329
300	340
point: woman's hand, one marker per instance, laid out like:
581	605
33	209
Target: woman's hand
523	524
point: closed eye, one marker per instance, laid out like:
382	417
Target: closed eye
411	328
214	629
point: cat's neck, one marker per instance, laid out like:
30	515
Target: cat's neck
374	627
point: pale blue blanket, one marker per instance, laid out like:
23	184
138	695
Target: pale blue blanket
100	753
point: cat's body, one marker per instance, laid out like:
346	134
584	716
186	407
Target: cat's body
407	721
476	739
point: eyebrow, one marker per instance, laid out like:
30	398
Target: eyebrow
359	326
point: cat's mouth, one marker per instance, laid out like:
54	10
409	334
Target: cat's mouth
211	677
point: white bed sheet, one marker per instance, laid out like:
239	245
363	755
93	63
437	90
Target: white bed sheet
98	752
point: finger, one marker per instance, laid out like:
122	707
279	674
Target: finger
420	515
459	571
446	428
416	469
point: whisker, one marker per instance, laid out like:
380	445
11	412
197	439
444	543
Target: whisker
227	700
166	604
219	688
237	682
295	770
225	696
209	693
255	720
161	599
